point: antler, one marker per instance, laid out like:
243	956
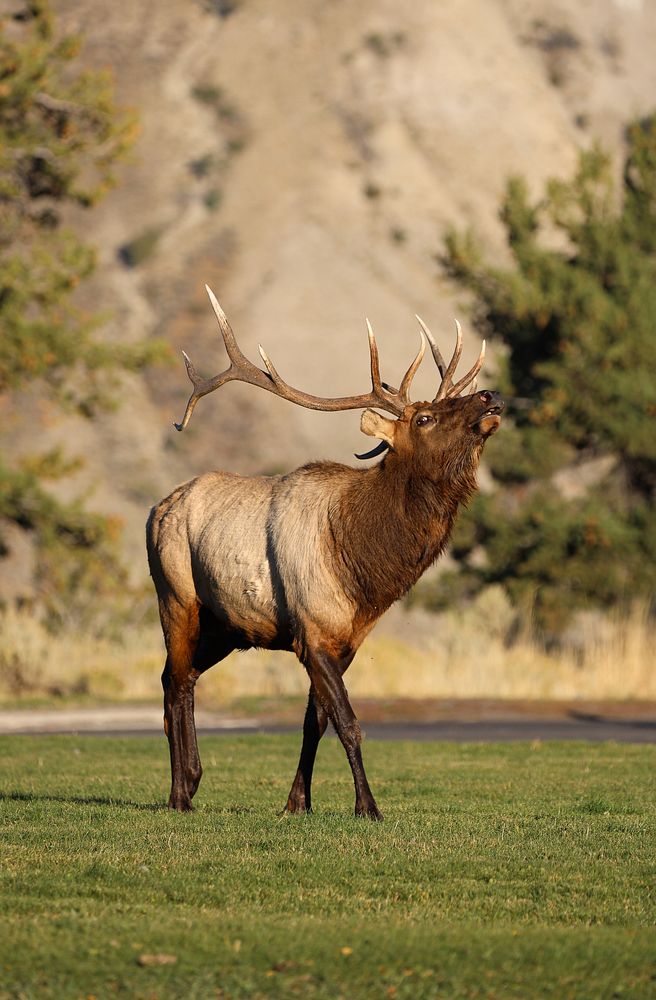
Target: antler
241	369
447	389
382	395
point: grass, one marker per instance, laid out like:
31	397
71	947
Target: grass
500	871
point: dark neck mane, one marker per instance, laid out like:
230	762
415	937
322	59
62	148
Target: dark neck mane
388	528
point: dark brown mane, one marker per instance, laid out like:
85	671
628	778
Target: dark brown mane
389	527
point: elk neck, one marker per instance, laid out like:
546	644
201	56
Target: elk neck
391	523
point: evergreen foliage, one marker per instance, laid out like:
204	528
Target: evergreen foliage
61	135
574	523
80	578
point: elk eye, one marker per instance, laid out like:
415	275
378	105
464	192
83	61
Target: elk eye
424	419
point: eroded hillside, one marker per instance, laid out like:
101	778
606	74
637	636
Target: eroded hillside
304	160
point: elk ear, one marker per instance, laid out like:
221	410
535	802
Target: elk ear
377	426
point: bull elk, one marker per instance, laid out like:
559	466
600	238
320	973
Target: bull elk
309	561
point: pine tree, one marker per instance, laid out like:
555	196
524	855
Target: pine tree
61	135
573	523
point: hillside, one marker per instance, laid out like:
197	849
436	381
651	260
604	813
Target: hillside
306	167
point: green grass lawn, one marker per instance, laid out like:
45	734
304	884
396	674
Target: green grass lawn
500	871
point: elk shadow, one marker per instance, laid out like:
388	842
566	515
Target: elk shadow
98	800
82	800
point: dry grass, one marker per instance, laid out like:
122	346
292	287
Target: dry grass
454	655
37	665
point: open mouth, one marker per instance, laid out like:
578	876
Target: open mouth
492	411
490	420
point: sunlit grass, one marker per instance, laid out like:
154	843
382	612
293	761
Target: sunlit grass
504	870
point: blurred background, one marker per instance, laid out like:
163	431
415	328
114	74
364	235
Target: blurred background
317	163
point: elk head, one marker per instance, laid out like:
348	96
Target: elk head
443	437
445	434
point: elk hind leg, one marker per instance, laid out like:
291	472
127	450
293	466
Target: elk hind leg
212	646
181	631
314	726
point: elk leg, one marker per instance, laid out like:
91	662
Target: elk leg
176	722
181	630
193	770
195	643
326	679
314	726
212	646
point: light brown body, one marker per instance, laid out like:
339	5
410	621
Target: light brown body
252	552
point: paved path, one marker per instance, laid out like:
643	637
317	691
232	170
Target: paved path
148	721
502	731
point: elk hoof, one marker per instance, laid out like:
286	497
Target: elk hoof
370	811
179	803
298	808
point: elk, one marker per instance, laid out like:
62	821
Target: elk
309	561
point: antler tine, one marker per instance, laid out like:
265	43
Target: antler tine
197	383
447	378
373	358
231	345
268	363
239	368
469	377
406	381
437	354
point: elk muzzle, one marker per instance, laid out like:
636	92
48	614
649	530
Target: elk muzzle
490	419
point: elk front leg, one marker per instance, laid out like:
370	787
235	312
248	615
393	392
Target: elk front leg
314	726
325	673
